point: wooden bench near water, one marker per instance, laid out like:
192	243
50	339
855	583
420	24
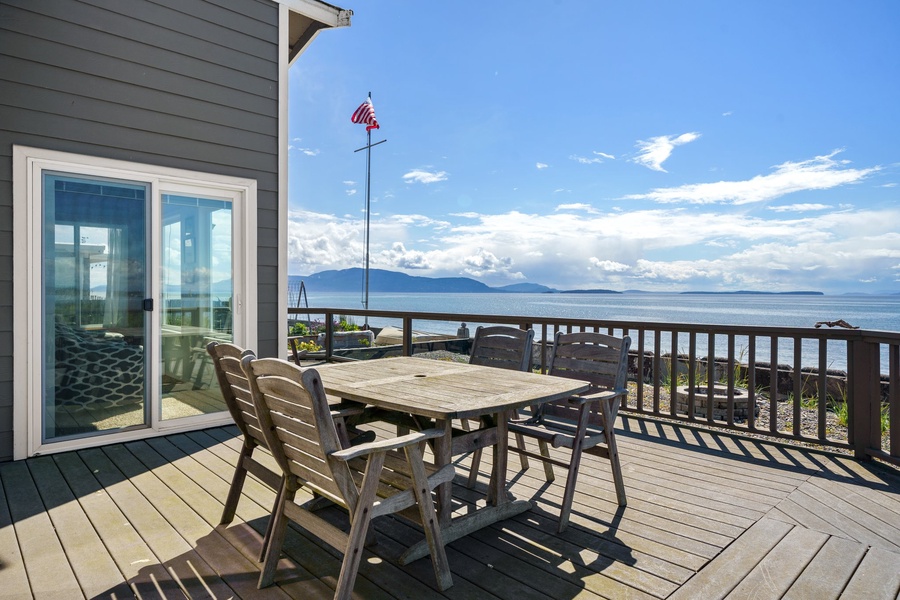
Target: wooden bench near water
709	516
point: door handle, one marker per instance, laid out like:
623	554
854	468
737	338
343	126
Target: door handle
148	304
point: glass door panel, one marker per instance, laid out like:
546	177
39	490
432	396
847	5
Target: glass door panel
196	291
94	284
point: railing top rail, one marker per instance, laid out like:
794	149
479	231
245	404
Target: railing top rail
867	335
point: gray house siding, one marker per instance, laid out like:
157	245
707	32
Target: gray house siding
189	84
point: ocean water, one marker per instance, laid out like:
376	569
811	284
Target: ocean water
866	312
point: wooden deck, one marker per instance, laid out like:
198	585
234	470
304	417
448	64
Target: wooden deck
708	516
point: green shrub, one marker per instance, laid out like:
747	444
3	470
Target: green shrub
299	329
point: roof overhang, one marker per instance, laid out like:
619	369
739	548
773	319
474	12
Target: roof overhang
307	19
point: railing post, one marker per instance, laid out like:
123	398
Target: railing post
865	397
407	336
329	336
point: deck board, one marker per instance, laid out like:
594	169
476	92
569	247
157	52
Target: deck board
826	577
49	572
92	565
708	516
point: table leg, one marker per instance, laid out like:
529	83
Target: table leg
443	456
497	488
500	506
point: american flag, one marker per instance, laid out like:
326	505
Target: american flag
366	114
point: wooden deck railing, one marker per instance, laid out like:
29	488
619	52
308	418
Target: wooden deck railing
802	385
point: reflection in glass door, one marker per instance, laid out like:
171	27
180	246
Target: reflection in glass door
196	294
94	284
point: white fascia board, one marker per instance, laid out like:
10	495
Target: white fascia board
283	205
329	15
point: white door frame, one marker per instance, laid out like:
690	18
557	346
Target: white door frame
28	165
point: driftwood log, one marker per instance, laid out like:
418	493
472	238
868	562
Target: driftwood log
838	323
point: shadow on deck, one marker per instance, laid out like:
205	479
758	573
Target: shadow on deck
708	516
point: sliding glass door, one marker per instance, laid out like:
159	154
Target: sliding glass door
97	304
95	318
126	273
197	294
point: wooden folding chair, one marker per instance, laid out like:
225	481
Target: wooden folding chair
369	480
583	423
504	348
235	387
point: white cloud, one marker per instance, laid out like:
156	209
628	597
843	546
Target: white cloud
654	152
799	207
819	173
541	165
401	258
572	246
419	221
483	262
306	151
608	265
576	206
599	157
422	176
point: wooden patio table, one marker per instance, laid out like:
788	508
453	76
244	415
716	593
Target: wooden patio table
442	391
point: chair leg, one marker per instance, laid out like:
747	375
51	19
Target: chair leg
520	444
429	518
361	517
473	470
616	468
237	484
270	526
548	468
571	480
476	454
574	464
610	411
276	539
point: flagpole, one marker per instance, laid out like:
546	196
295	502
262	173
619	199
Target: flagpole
368	207
363	117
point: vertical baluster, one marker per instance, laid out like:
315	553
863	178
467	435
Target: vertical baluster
657	365
710	375
729	380
894	399
823	388
640	371
673	375
692	372
773	384
751	382
798	387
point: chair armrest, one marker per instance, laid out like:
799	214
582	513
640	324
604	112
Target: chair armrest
346	409
605	394
386	445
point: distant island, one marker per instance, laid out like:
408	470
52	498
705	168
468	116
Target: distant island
583	292
797	293
384	281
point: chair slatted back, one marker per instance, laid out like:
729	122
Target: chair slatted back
236	388
502	347
597	358
296	421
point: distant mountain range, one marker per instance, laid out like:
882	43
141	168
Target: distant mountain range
380	280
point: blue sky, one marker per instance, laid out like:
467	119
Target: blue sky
661	146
